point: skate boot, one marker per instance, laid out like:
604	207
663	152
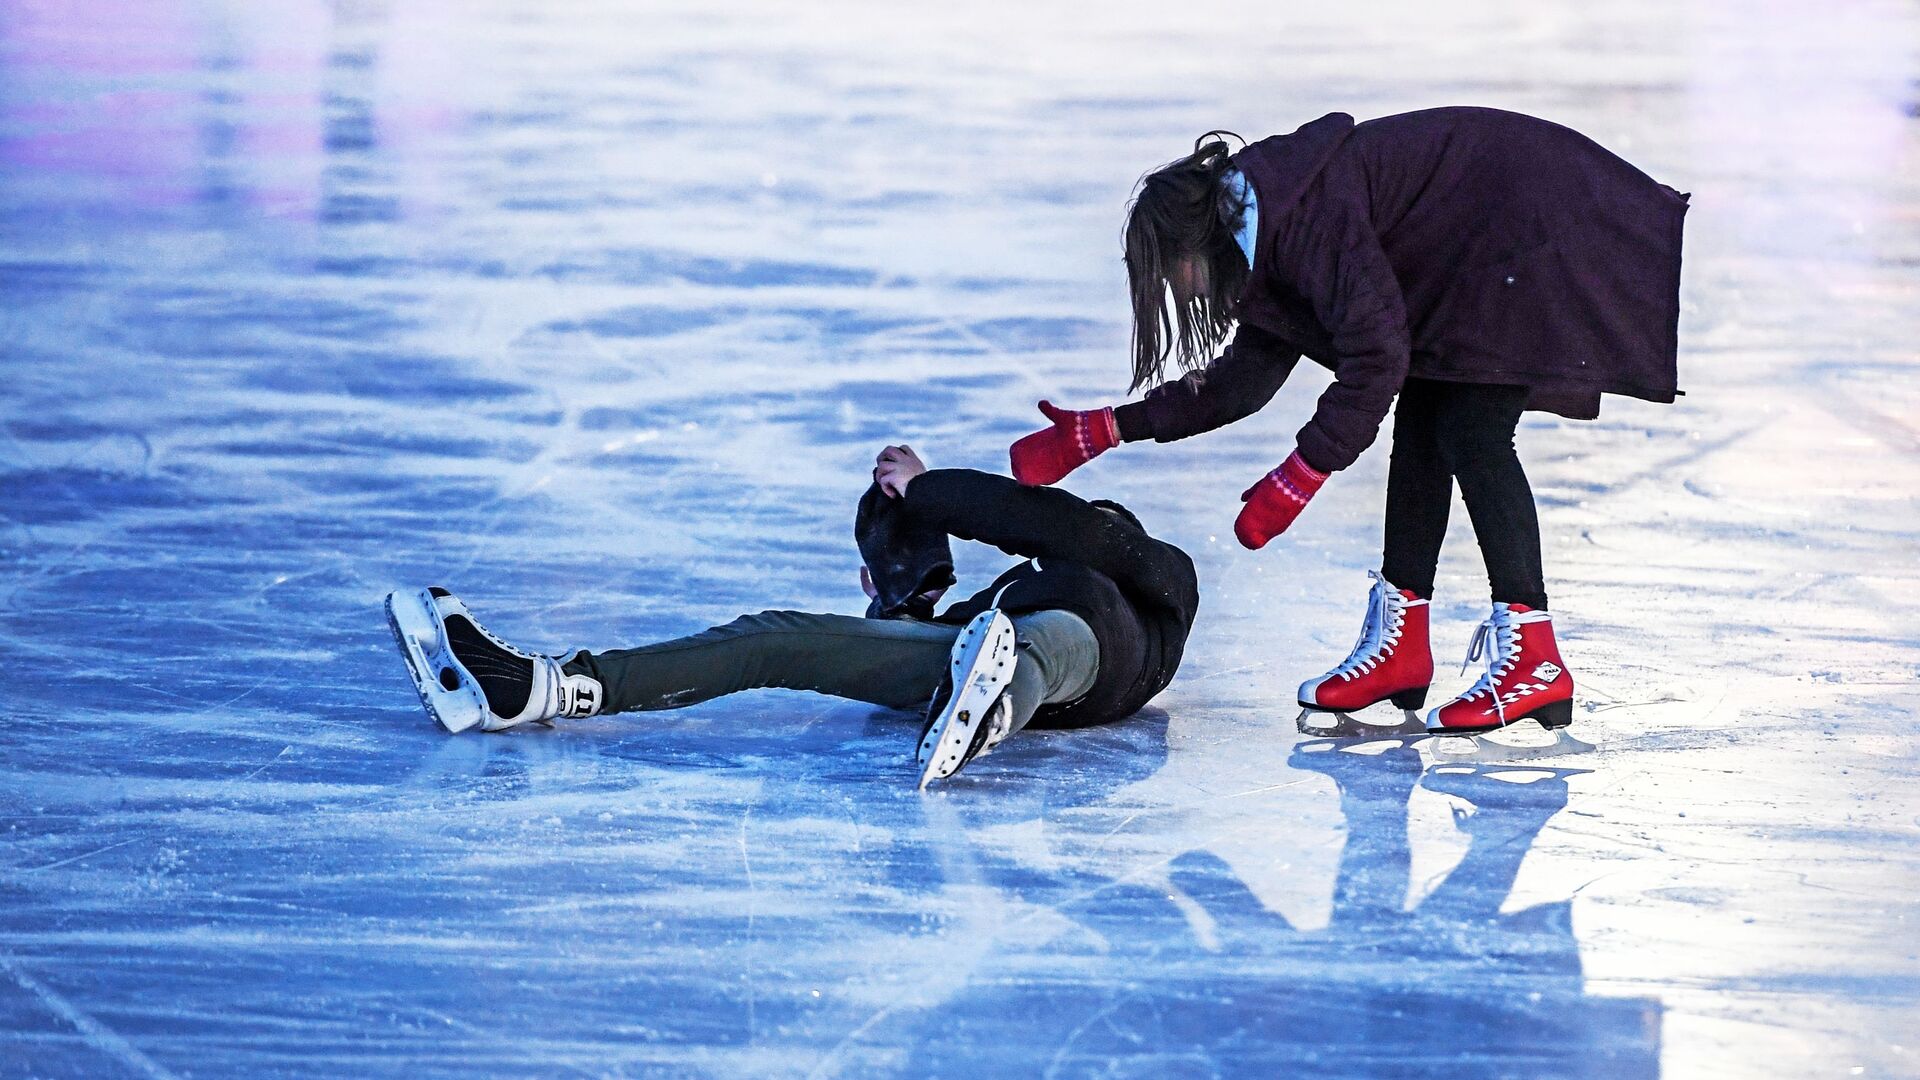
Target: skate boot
467	677
1391	662
1525	677
971	713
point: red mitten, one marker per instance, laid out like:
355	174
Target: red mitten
1275	501
1074	439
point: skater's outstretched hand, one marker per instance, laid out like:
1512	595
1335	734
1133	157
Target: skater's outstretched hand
1274	502
895	468
1071	440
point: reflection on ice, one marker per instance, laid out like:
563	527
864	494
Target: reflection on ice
1454	983
1511	744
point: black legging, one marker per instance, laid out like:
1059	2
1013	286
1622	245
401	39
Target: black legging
1441	431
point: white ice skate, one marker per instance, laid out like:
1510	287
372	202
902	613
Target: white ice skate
972	714
467	677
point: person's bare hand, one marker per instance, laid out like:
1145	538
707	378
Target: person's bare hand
895	468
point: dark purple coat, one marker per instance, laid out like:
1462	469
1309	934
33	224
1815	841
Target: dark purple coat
1460	244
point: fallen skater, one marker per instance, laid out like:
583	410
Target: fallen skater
1085	631
1473	263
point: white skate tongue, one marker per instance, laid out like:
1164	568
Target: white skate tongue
1380	630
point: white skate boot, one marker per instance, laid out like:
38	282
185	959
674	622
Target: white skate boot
971	714
467	677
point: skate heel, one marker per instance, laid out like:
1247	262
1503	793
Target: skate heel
1555	716
450	695
1409	699
411	617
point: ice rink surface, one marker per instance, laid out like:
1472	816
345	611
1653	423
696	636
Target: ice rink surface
596	314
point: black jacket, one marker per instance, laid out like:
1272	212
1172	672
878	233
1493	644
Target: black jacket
1138	594
1458	244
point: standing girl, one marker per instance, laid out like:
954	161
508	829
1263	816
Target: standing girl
1473	262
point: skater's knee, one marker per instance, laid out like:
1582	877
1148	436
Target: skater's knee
1468	449
763	622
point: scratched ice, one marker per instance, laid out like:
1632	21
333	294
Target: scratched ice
595	312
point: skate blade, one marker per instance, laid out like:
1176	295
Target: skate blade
1339	725
982	668
1478	748
423	645
1375	747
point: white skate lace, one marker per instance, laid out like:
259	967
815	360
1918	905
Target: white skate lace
1386	618
1498	641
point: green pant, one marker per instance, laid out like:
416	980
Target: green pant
898	663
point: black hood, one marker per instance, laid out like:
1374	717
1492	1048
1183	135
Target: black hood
904	556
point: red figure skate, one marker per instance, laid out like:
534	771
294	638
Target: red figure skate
1525	677
1391	662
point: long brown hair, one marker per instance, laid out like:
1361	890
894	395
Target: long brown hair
1181	213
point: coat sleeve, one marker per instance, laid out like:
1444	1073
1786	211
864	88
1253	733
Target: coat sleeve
1237	384
1048	523
1333	259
